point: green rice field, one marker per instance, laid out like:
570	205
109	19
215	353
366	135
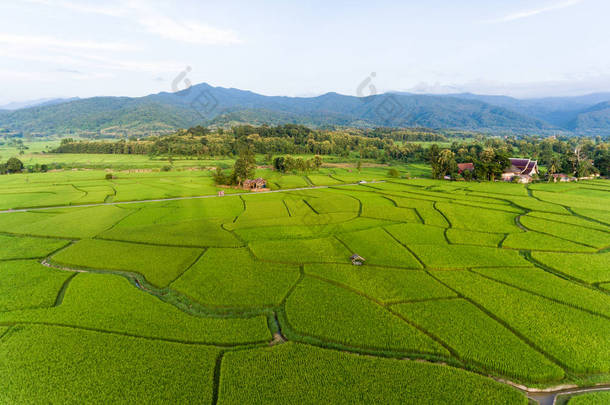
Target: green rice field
150	288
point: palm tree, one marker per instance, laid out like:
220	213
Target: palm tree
554	166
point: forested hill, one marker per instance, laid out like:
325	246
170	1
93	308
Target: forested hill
204	105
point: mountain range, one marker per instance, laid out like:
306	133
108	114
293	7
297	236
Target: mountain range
203	104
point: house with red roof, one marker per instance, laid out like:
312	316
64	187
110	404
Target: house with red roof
465	166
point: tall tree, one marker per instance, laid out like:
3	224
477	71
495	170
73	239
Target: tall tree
14	165
244	167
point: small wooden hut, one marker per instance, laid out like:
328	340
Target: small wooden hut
357	260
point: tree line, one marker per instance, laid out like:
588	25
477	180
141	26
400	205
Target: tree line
570	155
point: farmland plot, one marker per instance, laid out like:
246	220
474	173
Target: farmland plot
478	338
332	313
159	264
27	284
23	247
232	278
479	276
385	285
66	365
587	267
577	339
277	376
110	303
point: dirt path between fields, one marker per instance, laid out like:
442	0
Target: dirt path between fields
180	198
551	397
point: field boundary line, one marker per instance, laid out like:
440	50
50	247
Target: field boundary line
216	378
505	324
190	266
527	255
259	343
163	293
8	211
555	300
62	291
326	343
385	307
421	263
2	335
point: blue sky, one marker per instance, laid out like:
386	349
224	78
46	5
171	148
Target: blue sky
65	48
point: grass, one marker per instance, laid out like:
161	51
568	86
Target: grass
332	313
570	219
379	248
199	283
460	256
198	233
328	250
385	285
294	373
110	303
572	233
574	337
24	247
479	339
232	278
483	221
541	241
464	237
551	286
159	264
64	223
27	284
592	398
409	234
587	267
45	364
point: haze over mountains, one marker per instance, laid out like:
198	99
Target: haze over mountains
204	104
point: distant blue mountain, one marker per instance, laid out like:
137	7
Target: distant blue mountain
203	104
34	103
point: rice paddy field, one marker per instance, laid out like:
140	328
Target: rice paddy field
468	293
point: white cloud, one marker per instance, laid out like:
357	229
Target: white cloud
82	7
154	21
41	41
533	12
187	31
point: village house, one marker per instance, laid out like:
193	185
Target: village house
523	169
462	167
562	177
258	183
